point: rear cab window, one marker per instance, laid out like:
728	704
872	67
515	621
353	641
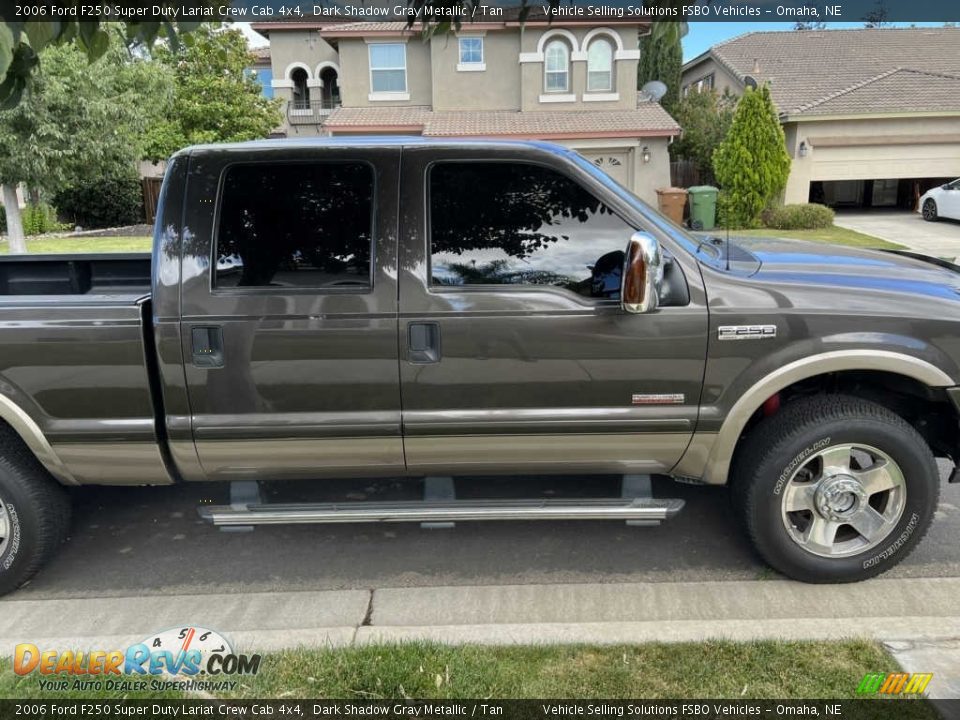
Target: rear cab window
295	225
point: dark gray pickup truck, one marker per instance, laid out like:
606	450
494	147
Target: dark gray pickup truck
397	307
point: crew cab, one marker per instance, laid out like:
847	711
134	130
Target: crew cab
383	307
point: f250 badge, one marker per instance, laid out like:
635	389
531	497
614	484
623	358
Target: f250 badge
746	332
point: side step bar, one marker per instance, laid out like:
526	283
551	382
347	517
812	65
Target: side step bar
454	511
441	509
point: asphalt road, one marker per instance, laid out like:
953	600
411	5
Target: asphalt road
149	541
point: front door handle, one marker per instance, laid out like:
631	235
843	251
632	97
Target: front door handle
207	345
423	342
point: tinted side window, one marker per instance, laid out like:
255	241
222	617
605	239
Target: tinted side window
500	223
295	225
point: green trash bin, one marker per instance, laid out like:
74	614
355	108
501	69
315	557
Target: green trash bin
703	207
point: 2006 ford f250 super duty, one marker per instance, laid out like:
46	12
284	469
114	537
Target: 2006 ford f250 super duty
398	307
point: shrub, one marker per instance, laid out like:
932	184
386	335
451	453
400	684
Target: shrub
100	202
39	219
809	216
3	219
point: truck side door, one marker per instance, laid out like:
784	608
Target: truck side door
516	355
289	312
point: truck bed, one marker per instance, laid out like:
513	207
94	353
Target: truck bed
121	277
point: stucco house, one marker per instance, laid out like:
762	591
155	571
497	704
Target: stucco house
572	83
871	116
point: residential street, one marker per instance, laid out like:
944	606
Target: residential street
149	541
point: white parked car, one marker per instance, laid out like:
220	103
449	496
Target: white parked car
941	202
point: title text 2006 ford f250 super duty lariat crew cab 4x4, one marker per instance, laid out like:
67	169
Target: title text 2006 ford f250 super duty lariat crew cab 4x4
384	307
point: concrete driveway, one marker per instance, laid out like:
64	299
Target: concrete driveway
939	239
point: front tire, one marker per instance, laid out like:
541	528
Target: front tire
34	513
835	489
929	210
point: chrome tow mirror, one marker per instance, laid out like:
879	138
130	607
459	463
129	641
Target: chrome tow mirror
642	274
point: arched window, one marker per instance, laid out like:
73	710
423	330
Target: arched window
301	91
600	66
556	67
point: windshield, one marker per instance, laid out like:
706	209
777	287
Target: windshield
684	238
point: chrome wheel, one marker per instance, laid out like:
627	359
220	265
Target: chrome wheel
843	500
6	528
929	210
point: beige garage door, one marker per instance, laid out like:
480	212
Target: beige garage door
866	162
616	163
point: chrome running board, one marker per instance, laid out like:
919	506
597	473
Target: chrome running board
455	511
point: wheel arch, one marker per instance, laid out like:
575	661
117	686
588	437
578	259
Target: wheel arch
717	455
17	419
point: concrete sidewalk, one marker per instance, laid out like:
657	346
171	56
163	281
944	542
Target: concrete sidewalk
922	609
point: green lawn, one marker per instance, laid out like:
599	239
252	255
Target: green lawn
84	244
832	234
715	670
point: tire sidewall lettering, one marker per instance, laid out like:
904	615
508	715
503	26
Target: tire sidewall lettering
13	546
895	546
792	466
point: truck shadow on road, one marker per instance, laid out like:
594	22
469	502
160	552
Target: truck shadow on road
136	541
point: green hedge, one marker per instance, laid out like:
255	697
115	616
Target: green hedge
101	202
39	219
809	216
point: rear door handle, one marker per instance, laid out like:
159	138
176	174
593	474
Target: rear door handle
207	345
423	342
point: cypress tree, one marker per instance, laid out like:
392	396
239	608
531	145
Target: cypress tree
751	164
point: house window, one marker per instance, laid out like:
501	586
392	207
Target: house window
388	67
600	66
509	223
557	67
471	50
704	83
301	91
296	225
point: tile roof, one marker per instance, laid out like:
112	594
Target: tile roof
365	27
647	119
894	90
811	71
261	54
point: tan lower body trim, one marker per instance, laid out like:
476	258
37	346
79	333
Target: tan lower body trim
301	458
120	463
506	454
694	460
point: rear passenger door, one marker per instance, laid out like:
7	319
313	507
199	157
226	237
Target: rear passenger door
515	352
289	312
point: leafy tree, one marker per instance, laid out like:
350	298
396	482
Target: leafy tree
877	18
661	58
215	98
810	25
705	119
751	164
79	119
22	43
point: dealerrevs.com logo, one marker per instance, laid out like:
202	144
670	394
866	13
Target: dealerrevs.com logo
189	658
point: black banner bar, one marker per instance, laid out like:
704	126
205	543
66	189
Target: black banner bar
888	709
467	11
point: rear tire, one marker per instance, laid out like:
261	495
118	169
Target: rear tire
835	489
930	210
34	513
